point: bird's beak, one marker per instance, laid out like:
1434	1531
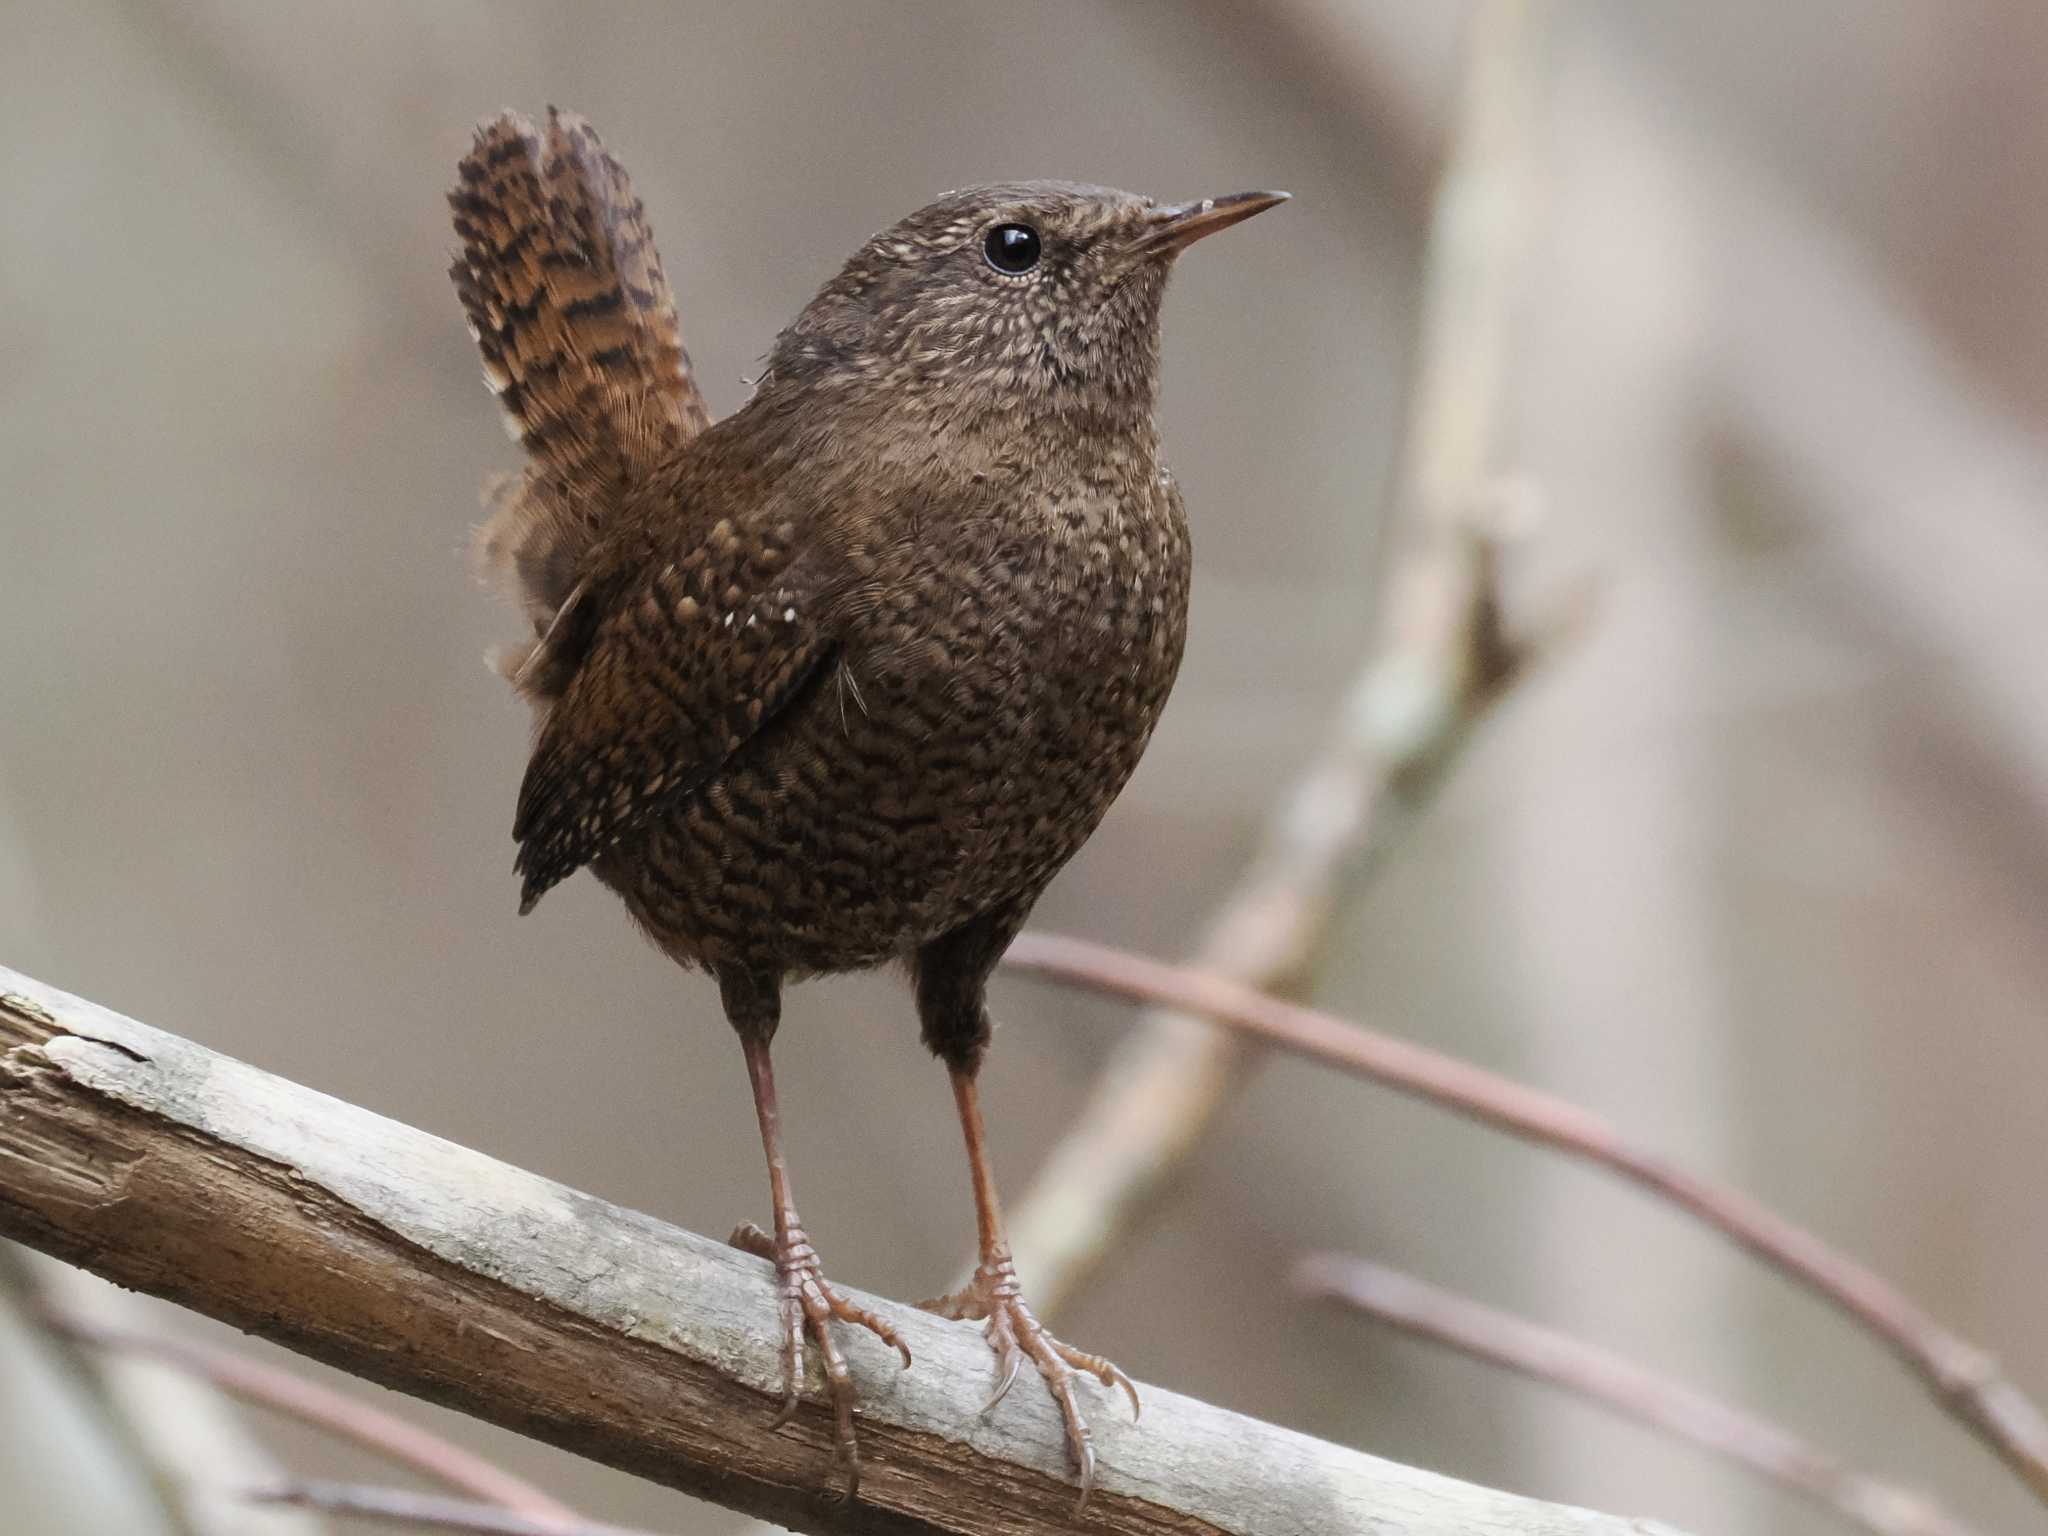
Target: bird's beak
1174	228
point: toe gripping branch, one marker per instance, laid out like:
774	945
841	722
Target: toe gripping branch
994	1297
808	1303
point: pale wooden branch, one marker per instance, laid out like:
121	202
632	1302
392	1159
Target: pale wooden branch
1636	1394
423	1511
385	1434
441	1272
1964	1379
1442	658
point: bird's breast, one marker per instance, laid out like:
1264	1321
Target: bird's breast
1025	654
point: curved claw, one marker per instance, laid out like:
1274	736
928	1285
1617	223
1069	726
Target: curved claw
838	1385
1013	1363
1107	1372
879	1327
1130	1391
1085	1456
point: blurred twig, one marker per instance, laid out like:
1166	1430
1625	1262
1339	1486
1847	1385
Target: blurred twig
1631	1391
400	1506
396	1439
1965	1379
1442	658
189	1442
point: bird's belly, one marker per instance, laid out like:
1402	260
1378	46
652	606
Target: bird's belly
915	787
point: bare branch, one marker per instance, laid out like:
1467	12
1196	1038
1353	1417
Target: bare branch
1965	1379
441	1272
401	1506
1631	1391
1443	657
397	1440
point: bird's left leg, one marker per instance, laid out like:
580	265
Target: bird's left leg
952	973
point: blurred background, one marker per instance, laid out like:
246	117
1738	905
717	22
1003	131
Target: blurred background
1756	869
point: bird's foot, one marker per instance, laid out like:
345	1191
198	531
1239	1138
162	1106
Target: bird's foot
1013	1333
808	1303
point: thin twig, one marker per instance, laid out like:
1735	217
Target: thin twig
396	1439
156	1446
1631	1391
1441	659
1170	1077
401	1506
1965	1379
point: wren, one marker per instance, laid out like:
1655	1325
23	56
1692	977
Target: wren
846	677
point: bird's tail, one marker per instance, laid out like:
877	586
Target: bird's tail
566	298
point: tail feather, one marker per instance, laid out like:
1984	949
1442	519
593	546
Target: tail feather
565	295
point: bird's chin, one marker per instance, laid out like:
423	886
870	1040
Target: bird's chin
1130	304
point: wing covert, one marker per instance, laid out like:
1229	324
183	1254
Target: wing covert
686	666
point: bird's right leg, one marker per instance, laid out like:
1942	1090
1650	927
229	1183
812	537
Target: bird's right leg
808	1301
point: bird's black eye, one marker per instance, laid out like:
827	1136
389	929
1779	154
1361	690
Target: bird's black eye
1011	248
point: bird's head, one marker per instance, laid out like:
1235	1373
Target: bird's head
1008	295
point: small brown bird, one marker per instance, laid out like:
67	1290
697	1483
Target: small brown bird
848	676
